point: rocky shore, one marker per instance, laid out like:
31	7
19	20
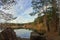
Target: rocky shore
9	34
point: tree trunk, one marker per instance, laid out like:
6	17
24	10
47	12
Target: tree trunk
54	16
58	4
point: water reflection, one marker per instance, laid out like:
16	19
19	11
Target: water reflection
23	33
1	30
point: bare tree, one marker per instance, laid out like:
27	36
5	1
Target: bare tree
6	16
6	4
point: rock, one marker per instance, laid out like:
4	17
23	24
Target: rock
8	34
25	39
36	36
19	38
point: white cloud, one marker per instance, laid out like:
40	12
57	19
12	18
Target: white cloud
2	21
29	10
19	4
26	17
21	19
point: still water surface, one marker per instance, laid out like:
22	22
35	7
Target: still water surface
23	33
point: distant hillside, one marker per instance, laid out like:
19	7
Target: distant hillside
13	25
36	27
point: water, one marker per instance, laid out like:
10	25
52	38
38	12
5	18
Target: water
1	30
23	33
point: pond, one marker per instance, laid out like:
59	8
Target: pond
1	30
23	33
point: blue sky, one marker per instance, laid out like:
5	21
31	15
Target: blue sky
21	10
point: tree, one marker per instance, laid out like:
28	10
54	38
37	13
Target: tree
7	4
58	12
46	7
42	7
6	16
54	14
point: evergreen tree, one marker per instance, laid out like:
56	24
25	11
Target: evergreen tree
47	8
